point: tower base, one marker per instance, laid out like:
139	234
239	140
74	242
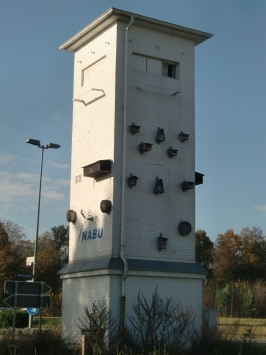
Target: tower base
83	285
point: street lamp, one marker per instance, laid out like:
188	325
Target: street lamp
49	145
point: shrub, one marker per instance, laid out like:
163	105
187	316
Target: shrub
49	343
161	322
158	327
223	300
6	319
98	325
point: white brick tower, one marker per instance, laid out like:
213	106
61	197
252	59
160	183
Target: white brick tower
132	209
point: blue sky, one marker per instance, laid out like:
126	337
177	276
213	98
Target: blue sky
36	102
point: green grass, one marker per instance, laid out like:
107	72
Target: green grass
48	322
238	327
231	327
50	343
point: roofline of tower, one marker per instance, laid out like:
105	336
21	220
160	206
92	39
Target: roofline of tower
112	15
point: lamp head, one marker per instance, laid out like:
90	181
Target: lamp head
34	142
52	145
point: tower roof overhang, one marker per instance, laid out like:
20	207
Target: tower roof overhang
113	15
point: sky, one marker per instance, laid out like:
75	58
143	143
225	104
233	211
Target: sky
36	80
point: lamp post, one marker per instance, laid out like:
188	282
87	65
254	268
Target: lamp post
49	145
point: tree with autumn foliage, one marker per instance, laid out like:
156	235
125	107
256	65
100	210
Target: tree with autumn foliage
240	256
204	250
61	236
48	262
52	255
14	248
253	253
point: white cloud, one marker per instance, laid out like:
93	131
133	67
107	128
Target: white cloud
59	166
32	161
30	208
12	189
49	193
6	158
62	183
261	208
21	187
4	175
29	178
25	177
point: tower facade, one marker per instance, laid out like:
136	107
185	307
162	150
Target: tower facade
132	204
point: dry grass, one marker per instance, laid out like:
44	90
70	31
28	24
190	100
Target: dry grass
242	327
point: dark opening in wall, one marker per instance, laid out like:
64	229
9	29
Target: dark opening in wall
169	70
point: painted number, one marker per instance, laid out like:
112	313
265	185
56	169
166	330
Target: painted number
77	178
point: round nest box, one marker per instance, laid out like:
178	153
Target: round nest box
71	216
184	228
106	206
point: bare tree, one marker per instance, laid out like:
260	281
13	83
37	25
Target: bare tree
161	321
99	325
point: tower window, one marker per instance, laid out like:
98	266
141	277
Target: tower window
169	70
155	66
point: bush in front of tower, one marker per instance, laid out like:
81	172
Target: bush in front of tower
98	327
161	323
155	325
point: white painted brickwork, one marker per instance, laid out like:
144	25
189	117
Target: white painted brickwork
77	294
148	215
185	292
92	140
97	134
81	292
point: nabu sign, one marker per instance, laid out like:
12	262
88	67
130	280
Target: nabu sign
92	234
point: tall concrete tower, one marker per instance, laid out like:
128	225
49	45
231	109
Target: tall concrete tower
132	206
